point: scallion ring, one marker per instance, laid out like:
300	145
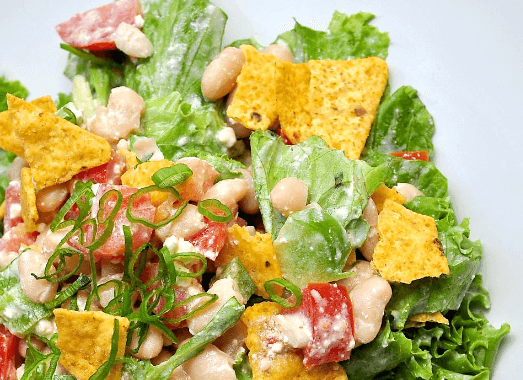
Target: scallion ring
215	210
296	292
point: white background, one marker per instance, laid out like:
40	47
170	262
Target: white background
465	59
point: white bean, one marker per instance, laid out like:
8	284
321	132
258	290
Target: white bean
51	198
14	171
38	291
408	191
362	271
186	225
219	78
210	364
370	215
132	41
249	204
232	341
151	346
289	195
229	192
280	51
369	299
179	372
224	289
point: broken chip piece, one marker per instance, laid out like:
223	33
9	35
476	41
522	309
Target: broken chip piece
84	339
28	200
55	149
408	248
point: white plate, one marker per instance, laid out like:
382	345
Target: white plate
464	58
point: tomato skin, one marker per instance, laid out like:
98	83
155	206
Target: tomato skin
12	241
211	239
329	310
110	172
12	197
8	347
422	155
284	137
114	246
94	29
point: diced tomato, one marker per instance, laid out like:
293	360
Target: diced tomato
8	347
110	172
422	155
202	179
211	239
181	294
12	206
329	310
284	137
114	247
94	29
13	240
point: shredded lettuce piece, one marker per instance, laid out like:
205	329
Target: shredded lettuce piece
347	37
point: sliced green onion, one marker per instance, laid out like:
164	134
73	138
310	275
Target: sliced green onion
82	197
296	292
145	222
171	176
128	252
72	289
142	331
103	371
61	254
215	210
167	260
67	114
183	256
101	211
212	299
85	55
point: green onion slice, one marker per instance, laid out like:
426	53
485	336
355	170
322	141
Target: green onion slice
184	256
171	176
296	292
65	294
215	210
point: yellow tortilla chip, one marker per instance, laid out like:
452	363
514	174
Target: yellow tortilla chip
84	339
283	365
382	193
28	200
141	177
254	103
419	320
2	210
55	149
344	97
130	158
408	248
8	139
256	254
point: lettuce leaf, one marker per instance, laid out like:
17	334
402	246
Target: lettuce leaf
347	37
402	124
339	185
10	87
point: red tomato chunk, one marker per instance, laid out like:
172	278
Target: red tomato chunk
110	172
94	29
13	208
422	155
8	346
211	239
329	310
114	247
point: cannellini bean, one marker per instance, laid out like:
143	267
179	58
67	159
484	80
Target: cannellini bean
40	291
362	271
14	171
249	204
224	289
370	215
240	130
219	78
289	195
226	137
151	346
280	51
369	299
120	117
210	364
147	147
106	292
232	341
179	373
187	224
51	198
408	191
132	41
229	192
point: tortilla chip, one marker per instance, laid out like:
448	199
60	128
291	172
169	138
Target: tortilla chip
28	200
408	248
256	253
2	210
8	139
419	320
254	104
55	149
344	97
130	158
84	339
140	176
283	365
382	193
